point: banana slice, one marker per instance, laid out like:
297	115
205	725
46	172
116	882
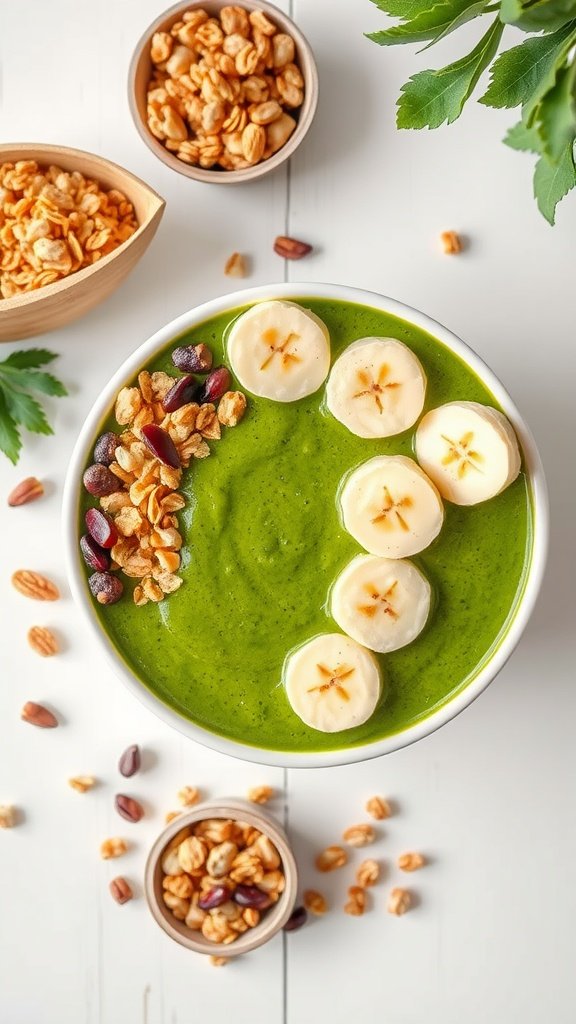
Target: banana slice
469	450
383	603
376	387
391	507
332	683
279	350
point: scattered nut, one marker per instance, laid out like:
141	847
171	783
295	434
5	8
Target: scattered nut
128	807
399	901
114	847
378	808
235	265
331	858
120	890
359	835
291	248
27	490
129	762
260	794
315	902
356	904
43	641
451	243
34	585
8	816
37	714
170	815
82	783
189	795
218	961
410	861
368	873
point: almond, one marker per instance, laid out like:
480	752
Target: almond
43	641
291	248
34	585
27	490
37	714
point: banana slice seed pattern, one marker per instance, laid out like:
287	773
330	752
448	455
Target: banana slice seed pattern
461	453
380	602
280	347
376	387
333	677
390	509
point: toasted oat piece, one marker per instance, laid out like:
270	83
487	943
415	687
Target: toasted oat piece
236	265
410	861
451	243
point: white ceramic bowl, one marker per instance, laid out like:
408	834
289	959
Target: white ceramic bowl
519	617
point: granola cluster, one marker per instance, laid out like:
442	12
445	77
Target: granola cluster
54	222
222	86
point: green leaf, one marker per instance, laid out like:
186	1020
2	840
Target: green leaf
524	138
29	357
468	14
26	410
537	15
10	442
404	9
553	181
34	380
432	97
435	22
527	71
556	115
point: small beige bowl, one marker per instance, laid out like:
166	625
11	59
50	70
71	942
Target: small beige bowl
141	72
57	304
274	918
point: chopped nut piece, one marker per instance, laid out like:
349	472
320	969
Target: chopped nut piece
189	795
43	641
82	783
331	858
114	847
368	873
170	815
314	902
260	794
356	904
33	584
399	901
235	265
121	890
378	808
359	835
27	490
8	816
410	861
231	408
451	243
218	961
291	248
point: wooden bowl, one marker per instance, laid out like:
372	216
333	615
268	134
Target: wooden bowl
47	308
274	918
141	72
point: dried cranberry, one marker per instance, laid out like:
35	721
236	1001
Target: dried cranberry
107	589
95	557
251	896
297	918
180	393
215	897
101	528
99	480
161	444
105	448
215	385
192	358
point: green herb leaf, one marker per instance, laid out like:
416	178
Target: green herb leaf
553	181
10	442
24	409
524	73
29	357
405	9
33	380
434	23
537	15
524	138
556	115
432	97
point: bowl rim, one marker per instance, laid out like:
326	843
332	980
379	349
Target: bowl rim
305	118
33	151
240	810
525	602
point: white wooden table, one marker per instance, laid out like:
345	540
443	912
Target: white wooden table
490	797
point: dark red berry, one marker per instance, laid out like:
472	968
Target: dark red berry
106	588
192	358
161	444
251	896
101	528
180	393
95	557
215	897
105	448
215	385
99	480
297	918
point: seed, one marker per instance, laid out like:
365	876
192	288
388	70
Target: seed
161	445
291	248
297	918
105	448
95	557
43	641
101	528
129	763
99	480
27	490
128	808
180	393
215	385
37	714
106	588
215	897
251	896
192	358
121	890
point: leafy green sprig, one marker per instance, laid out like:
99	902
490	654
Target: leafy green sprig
538	75
19	376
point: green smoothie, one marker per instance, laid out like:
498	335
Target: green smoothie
263	543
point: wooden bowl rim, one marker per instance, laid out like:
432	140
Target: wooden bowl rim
32	151
308	109
277	915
